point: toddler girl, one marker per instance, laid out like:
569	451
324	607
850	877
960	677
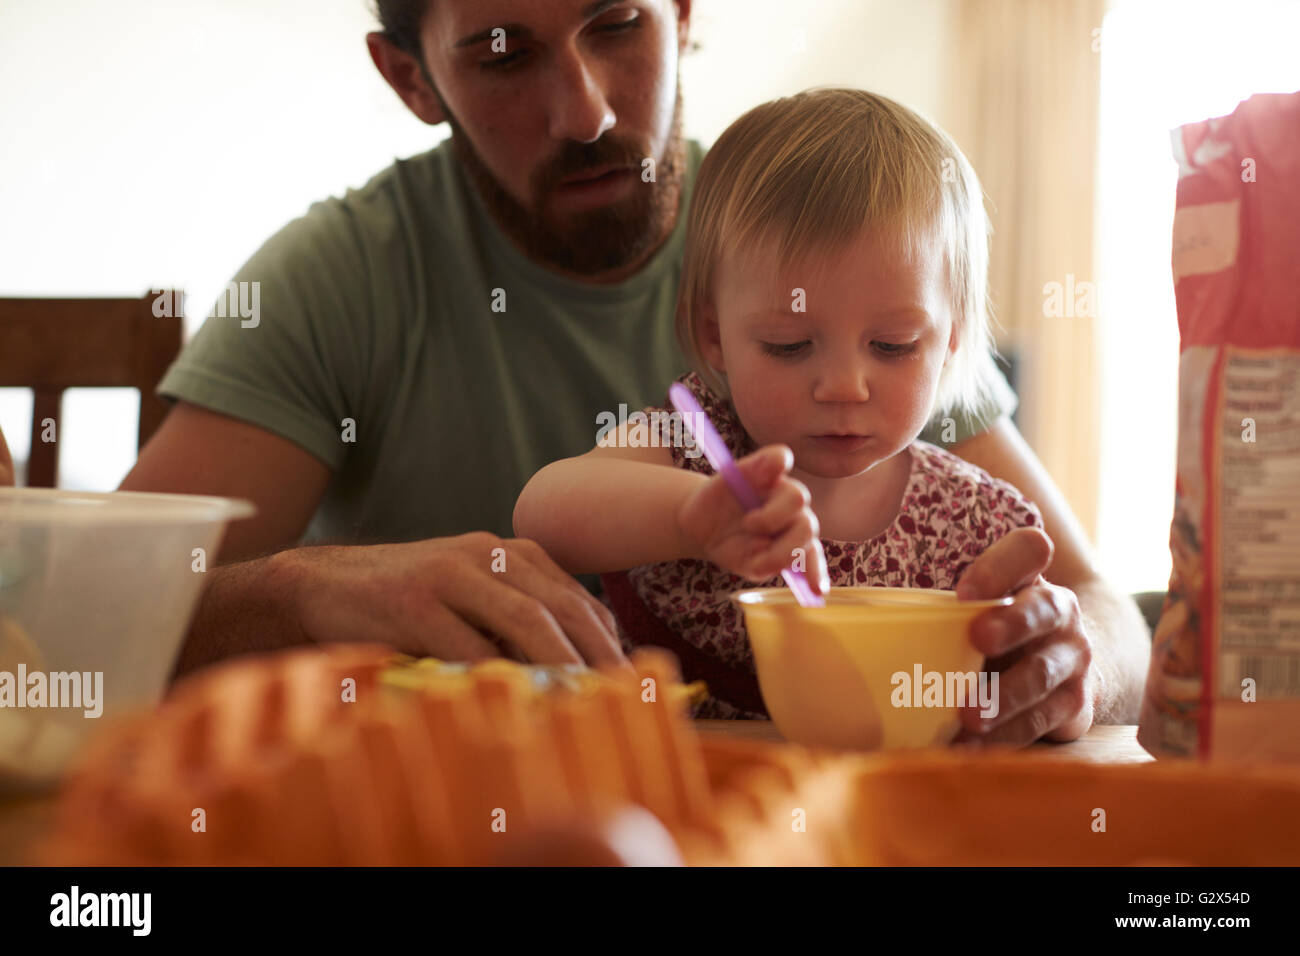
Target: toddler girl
833	295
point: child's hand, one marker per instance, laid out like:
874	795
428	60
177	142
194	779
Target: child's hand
759	544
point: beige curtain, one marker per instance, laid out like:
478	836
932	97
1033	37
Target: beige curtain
1023	105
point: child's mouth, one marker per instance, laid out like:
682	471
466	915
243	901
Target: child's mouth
842	443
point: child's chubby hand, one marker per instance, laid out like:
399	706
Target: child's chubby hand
759	544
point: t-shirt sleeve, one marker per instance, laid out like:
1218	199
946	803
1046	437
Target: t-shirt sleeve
1001	401
284	347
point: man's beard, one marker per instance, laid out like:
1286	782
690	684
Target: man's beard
597	240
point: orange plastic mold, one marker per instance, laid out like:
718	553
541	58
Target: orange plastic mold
318	757
312	757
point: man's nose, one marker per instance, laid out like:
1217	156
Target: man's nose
842	378
579	110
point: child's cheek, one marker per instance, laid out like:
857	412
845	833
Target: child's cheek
769	404
912	389
765	416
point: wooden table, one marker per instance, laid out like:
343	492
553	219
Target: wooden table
25	822
1115	743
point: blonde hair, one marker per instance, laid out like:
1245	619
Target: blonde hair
813	171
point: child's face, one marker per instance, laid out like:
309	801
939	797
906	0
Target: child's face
861	360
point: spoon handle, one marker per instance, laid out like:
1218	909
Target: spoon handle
697	422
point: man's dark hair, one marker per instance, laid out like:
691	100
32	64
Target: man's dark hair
401	21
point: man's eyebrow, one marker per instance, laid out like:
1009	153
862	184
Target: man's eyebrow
512	30
596	9
518	30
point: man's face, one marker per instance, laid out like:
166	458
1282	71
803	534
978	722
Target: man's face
555	107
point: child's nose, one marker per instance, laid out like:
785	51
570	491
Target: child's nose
842	379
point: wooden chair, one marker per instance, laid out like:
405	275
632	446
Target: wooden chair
48	345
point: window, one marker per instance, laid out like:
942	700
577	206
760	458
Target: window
1164	63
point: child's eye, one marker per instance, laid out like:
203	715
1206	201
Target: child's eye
784	351
893	349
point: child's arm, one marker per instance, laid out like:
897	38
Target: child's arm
610	509
618	507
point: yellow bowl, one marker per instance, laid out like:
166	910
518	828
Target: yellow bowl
860	673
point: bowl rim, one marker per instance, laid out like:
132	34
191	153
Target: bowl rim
46	506
784	597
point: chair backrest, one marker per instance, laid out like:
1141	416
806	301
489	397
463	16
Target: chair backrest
48	345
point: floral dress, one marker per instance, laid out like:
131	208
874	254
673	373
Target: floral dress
951	511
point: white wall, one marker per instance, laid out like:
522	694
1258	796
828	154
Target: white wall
754	50
1164	63
150	144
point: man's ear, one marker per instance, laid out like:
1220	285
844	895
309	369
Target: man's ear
683	24
403	73
708	337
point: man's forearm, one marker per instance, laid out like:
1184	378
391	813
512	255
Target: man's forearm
1121	651
245	607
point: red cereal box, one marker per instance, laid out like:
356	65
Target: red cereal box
1225	664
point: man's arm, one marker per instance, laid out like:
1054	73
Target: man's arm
196	451
1120	640
441	596
244	606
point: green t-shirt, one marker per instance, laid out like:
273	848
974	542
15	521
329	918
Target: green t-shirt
379	308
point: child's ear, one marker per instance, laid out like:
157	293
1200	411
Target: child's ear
953	342
708	336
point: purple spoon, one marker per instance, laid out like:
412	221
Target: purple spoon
715	450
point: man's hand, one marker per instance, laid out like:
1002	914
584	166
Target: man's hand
465	598
1038	646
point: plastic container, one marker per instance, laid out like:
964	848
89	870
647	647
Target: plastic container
830	676
98	588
